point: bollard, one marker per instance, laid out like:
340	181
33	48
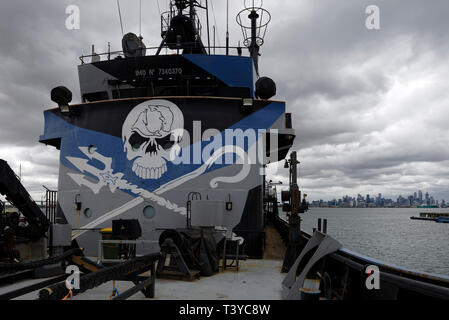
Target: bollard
310	295
319	224
325	226
311	290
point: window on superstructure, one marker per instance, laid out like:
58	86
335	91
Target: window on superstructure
95	96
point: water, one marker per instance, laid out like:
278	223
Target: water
388	235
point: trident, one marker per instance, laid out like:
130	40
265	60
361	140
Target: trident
107	177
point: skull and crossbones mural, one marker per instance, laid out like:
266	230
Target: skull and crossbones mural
151	135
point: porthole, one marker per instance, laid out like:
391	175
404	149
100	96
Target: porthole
88	213
92	149
149	212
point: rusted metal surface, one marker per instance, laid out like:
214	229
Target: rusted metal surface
275	247
92	280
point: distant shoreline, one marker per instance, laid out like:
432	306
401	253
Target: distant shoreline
310	207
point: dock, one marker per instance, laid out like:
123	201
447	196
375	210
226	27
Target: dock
431	216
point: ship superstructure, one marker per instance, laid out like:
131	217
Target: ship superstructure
153	130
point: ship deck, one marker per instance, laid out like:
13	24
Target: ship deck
255	280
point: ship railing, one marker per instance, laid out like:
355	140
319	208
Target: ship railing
165	21
151	51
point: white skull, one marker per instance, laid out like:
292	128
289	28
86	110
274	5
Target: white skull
151	135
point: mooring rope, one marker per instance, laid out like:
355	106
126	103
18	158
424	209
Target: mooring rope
114	291
68	294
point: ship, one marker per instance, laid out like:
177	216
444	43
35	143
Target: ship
162	172
153	129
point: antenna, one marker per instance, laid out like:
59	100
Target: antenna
140	20
120	16
158	7
227	27
215	21
254	33
208	25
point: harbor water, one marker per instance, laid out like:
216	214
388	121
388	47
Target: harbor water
388	235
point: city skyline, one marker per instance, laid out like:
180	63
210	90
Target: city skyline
417	199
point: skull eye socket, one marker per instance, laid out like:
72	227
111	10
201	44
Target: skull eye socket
136	141
166	143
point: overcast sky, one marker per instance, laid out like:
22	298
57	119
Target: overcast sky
369	106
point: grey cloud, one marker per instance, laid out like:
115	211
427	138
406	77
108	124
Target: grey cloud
366	119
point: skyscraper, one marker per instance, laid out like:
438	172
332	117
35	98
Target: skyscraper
379	199
420	197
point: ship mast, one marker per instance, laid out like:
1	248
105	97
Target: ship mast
181	27
254	32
